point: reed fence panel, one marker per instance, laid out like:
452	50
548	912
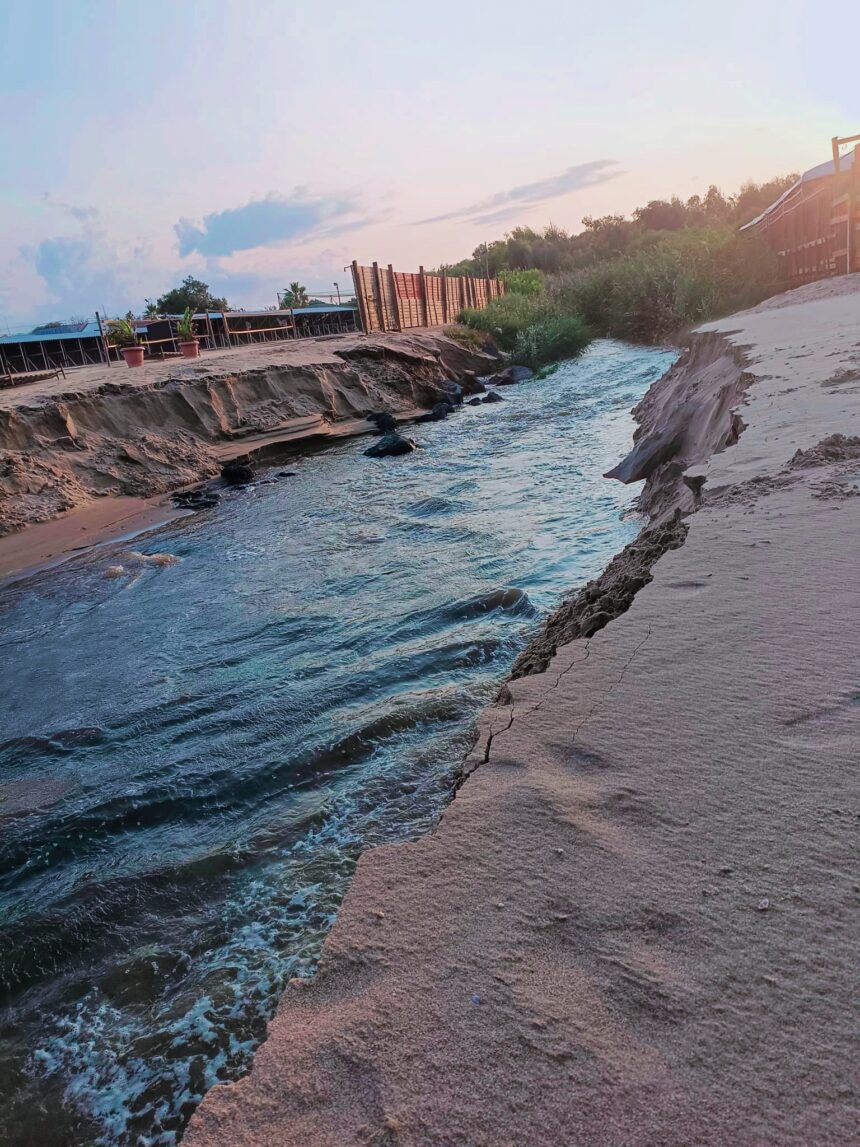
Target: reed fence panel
390	300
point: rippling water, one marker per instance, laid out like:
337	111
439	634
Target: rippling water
213	743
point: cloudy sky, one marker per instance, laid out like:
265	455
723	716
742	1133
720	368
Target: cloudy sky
259	142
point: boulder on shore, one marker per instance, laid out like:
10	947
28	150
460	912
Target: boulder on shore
389	446
511	375
437	412
453	391
237	473
197	499
385	421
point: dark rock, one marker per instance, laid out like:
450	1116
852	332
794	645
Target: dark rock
286	474
511	375
492	396
200	499
237	473
453	390
385	422
390	445
475	402
437	412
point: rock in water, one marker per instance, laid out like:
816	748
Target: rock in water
199	499
493	396
474	402
437	412
453	390
385	422
389	445
237	473
512	374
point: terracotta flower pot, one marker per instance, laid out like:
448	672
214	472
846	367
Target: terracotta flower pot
190	350
133	355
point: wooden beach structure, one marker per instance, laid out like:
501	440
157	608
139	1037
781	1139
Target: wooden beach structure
814	226
390	300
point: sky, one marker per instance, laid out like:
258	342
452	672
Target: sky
251	144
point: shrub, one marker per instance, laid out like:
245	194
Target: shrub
505	317
553	338
669	281
534	328
523	282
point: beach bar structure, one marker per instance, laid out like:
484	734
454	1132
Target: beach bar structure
60	347
814	226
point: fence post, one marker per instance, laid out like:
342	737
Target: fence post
380	310
423	300
444	297
392	282
104	346
358	287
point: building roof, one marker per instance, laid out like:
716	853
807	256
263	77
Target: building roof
822	171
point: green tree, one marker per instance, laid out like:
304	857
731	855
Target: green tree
192	294
295	296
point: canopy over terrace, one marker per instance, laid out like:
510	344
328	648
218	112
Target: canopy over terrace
82	343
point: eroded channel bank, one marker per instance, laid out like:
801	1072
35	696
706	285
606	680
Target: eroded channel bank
198	747
107	433
637	922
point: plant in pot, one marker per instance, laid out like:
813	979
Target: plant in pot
121	333
189	344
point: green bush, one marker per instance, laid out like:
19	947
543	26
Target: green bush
556	337
668	281
523	282
536	330
505	317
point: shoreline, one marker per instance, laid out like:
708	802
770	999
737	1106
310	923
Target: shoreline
69	449
610	930
44	545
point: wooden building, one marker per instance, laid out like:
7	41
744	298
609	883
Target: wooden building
814	227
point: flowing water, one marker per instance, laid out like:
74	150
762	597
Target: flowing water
196	754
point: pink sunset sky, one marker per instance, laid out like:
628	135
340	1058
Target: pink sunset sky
255	144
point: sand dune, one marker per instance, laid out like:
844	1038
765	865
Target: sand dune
636	924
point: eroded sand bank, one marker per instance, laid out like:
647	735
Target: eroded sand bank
113	433
637	922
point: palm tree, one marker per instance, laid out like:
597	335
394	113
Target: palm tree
295	296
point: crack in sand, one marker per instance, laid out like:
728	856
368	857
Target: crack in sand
597	704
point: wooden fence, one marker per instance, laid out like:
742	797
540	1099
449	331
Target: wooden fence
390	300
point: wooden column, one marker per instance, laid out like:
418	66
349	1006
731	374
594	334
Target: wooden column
104	345
392	283
358	288
377	290
422	302
444	281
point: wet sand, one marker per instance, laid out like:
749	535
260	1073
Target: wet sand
637	922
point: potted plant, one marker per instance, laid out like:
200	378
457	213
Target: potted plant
122	333
189	344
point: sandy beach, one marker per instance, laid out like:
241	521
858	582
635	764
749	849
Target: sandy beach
636	924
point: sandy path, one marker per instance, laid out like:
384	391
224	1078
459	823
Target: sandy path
637	922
